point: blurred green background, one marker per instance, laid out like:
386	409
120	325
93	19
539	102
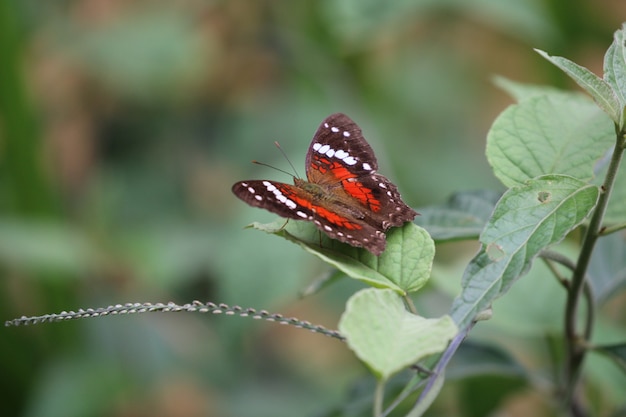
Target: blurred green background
123	125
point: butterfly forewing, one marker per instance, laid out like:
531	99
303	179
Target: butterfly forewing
339	154
339	144
272	196
293	202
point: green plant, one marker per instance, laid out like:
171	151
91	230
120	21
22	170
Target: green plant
559	155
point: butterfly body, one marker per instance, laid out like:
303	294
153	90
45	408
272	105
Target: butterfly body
343	195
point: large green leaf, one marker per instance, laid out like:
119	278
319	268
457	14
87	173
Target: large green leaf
527	219
548	134
404	266
462	217
386	336
600	90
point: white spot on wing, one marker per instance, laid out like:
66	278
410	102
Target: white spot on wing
346	133
334	129
382	185
341	154
291	204
316	145
330	153
327	227
302	214
349	160
258	197
367	166
324	149
251	190
326	125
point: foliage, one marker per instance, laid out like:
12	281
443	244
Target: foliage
123	125
546	148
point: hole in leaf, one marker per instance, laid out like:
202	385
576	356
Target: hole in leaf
544	196
495	252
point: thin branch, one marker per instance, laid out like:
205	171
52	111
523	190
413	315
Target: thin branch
591	309
612	229
558	258
575	350
444	359
550	257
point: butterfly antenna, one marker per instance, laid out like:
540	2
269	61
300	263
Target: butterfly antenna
273	167
287	158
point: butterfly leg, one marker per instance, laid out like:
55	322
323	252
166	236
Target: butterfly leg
284	224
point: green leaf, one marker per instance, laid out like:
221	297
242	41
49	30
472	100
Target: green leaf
616	209
462	217
522	91
476	359
615	65
600	90
404	266
533	307
607	270
616	352
527	219
549	134
387	337
327	279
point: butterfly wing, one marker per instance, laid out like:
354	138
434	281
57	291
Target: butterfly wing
341	159
294	202
339	147
273	196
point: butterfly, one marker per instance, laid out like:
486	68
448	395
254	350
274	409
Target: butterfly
343	195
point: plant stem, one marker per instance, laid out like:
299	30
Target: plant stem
613	228
409	304
379	395
550	258
575	349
